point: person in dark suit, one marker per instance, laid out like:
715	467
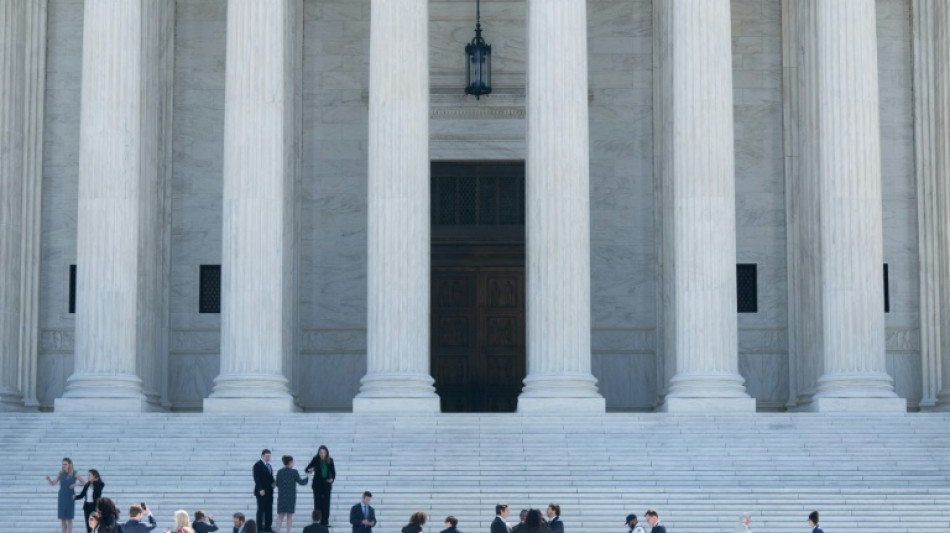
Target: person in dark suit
362	515
89	498
204	522
134	524
238	523
451	525
316	526
498	525
264	492
521	518
324	472
653	518
813	522
554	518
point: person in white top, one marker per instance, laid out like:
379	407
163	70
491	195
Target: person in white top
634	524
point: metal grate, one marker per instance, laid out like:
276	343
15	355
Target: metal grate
747	288
209	289
479	195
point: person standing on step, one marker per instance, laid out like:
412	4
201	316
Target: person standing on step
287	480
324	472
264	484
634	524
499	525
362	515
416	521
521	518
89	498
316	526
653	518
743	526
238	523
451	525
554	515
204	522
66	501
134	524
813	522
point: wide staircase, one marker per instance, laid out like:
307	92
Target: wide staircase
863	473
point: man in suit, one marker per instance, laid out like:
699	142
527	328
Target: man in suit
653	518
498	525
204	522
238	523
316	526
517	527
134	524
264	492
362	515
554	518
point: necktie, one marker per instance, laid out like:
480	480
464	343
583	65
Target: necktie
365	514
269	469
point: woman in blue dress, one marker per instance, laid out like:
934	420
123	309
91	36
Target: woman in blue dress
67	479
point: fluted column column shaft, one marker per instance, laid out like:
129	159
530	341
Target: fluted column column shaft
938	228
558	212
398	277
118	154
11	196
698	208
260	164
850	227
22	98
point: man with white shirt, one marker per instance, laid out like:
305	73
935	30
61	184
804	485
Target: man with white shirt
499	525
554	518
264	492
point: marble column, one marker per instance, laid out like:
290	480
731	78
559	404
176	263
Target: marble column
122	213
802	199
696	169
932	121
850	227
261	164
11	196
558	212
397	361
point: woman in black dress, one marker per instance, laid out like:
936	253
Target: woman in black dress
89	498
324	473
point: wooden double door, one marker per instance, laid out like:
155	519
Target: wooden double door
478	336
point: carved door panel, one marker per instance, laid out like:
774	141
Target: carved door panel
454	338
478	347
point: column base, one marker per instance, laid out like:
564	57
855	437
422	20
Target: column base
856	405
249	405
709	406
10	400
396	392
561	392
105	404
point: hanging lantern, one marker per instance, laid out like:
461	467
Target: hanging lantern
478	55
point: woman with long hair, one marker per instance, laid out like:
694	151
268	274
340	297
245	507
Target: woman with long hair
533	523
324	472
92	522
89	498
183	522
66	504
416	521
108	515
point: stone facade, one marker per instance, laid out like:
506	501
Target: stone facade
628	355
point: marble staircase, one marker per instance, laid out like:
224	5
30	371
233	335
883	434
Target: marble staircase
877	472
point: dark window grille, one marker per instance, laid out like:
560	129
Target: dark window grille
887	292
747	288
466	197
72	289
209	289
